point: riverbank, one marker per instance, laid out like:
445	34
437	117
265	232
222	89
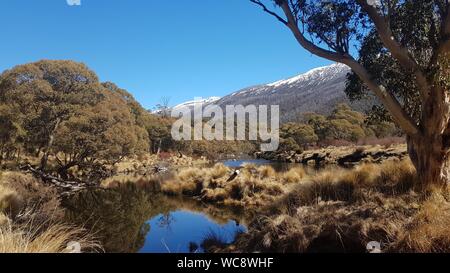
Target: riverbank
342	156
343	211
329	210
32	219
302	209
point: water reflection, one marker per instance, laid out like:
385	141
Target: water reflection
184	231
117	217
278	166
130	219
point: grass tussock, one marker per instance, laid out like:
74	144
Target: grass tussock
29	198
428	232
53	239
32	219
10	201
342	210
331	210
294	175
253	186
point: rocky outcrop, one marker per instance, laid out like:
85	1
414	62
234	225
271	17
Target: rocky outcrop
343	156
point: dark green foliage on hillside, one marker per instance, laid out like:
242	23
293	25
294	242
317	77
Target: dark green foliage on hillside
342	124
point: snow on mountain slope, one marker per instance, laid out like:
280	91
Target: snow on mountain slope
318	90
192	103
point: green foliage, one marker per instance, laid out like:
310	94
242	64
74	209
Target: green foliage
300	134
60	108
343	111
289	144
419	37
11	132
342	124
344	130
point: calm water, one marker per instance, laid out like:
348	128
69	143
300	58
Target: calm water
129	219
184	231
135	219
278	166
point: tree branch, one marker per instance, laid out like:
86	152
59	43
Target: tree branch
305	43
398	51
443	46
388	100
265	9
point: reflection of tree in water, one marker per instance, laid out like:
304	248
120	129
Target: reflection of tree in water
166	220
117	216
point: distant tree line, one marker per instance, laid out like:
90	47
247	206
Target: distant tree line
59	110
343	124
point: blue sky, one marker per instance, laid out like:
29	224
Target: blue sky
179	48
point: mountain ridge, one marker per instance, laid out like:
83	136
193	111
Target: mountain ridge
318	90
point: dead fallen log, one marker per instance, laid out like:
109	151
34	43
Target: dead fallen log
64	187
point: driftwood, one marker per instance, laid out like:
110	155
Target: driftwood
65	187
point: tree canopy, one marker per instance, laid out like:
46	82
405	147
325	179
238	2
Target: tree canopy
61	108
399	50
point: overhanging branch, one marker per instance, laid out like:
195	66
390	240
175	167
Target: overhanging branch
265	9
389	101
305	43
397	50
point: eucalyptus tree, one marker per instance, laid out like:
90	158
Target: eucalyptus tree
60	108
399	51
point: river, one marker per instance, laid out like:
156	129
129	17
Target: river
131	219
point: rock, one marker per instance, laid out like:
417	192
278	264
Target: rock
344	156
73	247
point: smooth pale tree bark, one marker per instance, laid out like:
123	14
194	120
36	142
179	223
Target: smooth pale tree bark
50	142
430	150
428	140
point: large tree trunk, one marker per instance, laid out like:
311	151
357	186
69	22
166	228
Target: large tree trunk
430	149
431	160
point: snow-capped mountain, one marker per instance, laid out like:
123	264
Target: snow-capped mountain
318	90
192	103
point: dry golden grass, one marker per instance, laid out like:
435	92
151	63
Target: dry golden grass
294	175
341	210
31	218
4	220
429	230
334	209
10	201
252	187
266	172
31	195
53	239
